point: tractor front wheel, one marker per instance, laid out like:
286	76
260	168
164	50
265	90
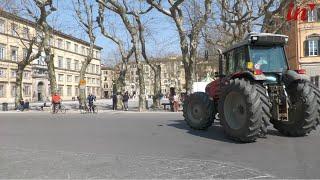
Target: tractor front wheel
198	111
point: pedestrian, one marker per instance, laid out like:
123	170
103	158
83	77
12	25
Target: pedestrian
114	102
125	100
90	99
175	102
21	105
26	105
56	102
171	98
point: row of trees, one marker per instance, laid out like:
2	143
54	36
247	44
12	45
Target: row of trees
217	23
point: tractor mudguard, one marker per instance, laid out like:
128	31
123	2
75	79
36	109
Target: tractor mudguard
291	76
249	75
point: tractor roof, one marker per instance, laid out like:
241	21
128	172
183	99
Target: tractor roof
262	39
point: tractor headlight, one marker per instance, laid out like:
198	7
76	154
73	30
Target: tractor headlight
254	38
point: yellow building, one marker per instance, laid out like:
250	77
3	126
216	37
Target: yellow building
107	78
303	49
69	53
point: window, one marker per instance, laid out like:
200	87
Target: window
27	90
76	79
2	73
60	77
25	33
76	91
2	90
14	53
2	26
69	91
26	75
60	90
313	47
13	90
312	15
83	50
69	78
97	69
24	53
60	43
69	63
68	44
76	48
93	67
60	62
76	65
13	73
2	52
14	29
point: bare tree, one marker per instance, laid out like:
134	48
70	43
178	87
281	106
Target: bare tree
45	32
120	9
28	56
156	68
84	14
189	40
125	54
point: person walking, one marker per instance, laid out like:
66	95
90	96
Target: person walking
90	99
125	100
56	101
114	102
175	102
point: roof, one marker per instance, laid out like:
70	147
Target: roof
31	23
247	39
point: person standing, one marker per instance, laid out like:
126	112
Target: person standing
125	100
114	102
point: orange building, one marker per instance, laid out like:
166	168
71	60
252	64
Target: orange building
303	49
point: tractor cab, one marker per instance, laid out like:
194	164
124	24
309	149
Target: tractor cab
260	56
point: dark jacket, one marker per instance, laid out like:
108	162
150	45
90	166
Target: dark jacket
125	98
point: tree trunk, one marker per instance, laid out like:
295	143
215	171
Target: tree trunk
82	92
142	87
120	84
156	87
51	74
19	78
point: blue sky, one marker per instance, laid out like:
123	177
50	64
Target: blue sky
162	38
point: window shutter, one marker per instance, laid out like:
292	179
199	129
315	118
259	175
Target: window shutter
318	14
306	48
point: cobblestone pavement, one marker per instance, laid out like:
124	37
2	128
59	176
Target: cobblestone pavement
27	163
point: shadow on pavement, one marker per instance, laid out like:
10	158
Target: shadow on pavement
215	132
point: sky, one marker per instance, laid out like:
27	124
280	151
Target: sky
161	35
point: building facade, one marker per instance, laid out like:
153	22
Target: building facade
107	79
303	50
69	53
172	75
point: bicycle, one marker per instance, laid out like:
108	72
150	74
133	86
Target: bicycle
86	109
58	109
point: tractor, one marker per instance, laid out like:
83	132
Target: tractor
255	87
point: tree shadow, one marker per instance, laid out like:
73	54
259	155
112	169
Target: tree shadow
215	132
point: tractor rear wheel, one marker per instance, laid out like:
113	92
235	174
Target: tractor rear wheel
198	111
304	111
244	110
